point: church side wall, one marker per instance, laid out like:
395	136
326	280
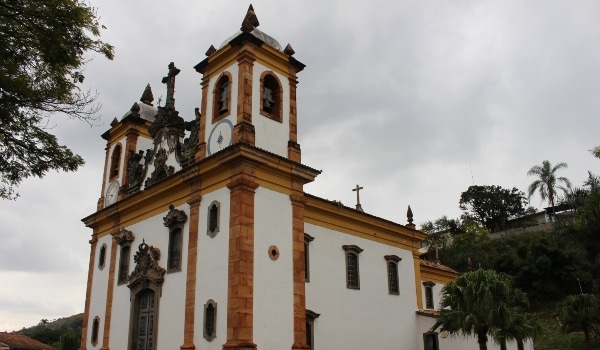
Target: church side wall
369	318
273	280
99	288
212	270
270	134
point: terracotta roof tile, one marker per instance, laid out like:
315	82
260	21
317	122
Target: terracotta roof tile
436	265
20	341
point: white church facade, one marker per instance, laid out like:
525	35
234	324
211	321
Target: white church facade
204	238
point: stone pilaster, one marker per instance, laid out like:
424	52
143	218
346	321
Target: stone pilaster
88	292
299	266
243	131
240	300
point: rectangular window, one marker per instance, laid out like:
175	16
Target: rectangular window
429	295
430	341
392	273
175	241
307	240
124	264
352	268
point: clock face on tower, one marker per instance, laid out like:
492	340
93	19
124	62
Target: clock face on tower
220	136
112	193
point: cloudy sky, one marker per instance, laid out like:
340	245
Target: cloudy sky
413	100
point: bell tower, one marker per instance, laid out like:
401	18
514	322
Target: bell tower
249	94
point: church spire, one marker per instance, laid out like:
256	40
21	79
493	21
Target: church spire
250	21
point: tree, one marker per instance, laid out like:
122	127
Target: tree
521	327
596	151
580	313
547	182
479	303
493	206
42	55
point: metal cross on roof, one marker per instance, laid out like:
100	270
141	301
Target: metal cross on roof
357	189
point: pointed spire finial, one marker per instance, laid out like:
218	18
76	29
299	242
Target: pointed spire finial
147	96
250	21
210	51
409	217
289	50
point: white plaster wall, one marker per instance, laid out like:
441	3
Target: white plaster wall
172	301
212	270
369	318
98	292
271	135
458	342
273	279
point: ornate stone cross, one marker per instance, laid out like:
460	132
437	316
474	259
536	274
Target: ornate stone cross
170	81
357	189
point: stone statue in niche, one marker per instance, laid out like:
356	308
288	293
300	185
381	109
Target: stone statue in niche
267	99
224	101
135	170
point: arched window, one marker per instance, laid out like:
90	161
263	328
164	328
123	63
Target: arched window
392	272
210	320
352	268
270	96
102	257
222	97
213	218
95	329
115	161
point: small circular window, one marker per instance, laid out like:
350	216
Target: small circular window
273	252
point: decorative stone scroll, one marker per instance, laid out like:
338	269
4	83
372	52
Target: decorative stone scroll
147	272
124	236
174	217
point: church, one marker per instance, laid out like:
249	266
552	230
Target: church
204	238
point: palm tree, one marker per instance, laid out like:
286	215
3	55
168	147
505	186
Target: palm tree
580	313
521	327
547	182
479	303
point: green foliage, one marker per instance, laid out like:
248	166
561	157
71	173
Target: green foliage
63	334
42	55
580	313
547	181
596	152
485	302
493	206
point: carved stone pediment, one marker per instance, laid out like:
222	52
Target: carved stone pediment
174	217
147	271
124	236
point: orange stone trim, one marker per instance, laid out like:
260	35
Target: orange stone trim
243	130
100	204
88	292
293	147
241	259
299	267
190	286
201	151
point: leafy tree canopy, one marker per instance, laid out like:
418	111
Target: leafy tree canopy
43	47
493	206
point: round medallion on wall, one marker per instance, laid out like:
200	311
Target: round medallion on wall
220	136
112	193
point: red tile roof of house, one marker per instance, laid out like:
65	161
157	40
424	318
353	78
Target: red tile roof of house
436	265
20	341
